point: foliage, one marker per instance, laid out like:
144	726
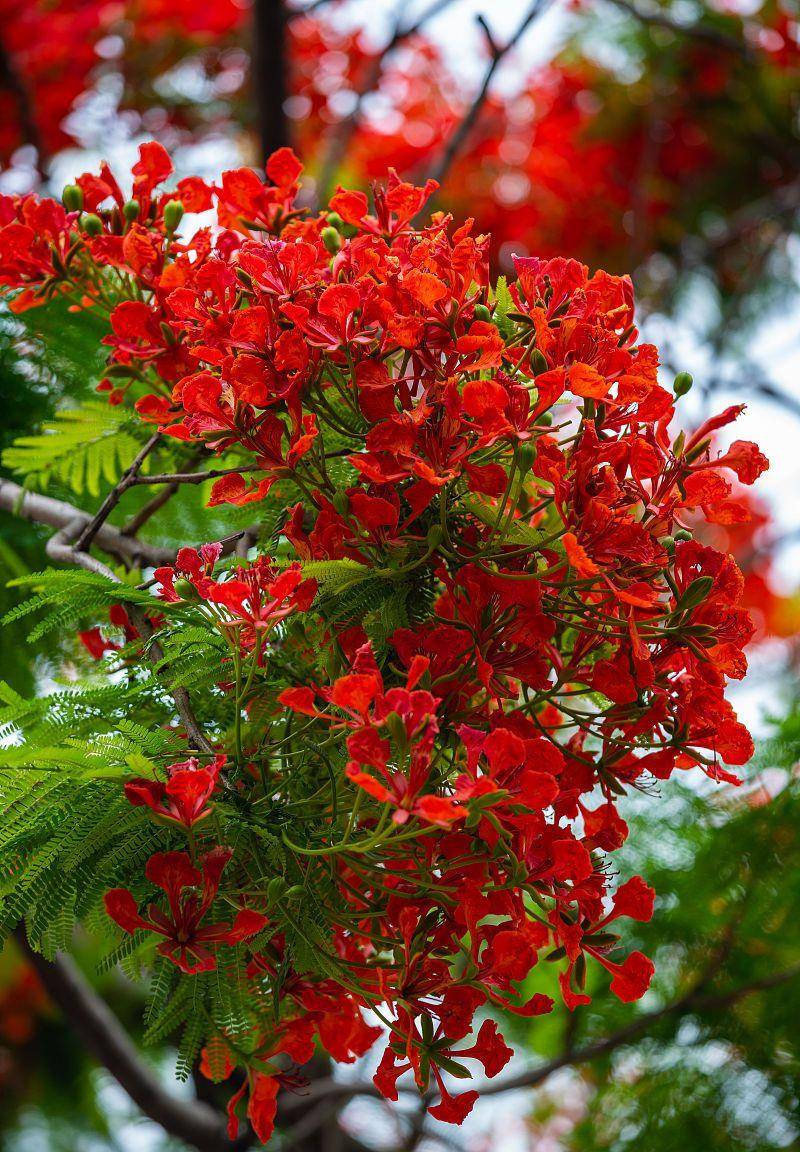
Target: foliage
359	765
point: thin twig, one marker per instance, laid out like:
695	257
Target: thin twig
342	133
187	477
127	478
467	123
60	549
659	18
148	510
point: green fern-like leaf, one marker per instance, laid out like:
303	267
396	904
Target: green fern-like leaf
80	447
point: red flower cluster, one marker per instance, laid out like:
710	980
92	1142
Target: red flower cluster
497	468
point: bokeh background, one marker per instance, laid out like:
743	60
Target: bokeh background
655	138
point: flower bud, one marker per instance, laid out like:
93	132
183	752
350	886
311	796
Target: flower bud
682	383
275	889
173	214
696	593
434	537
545	419
335	221
331	239
667	543
397	729
526	454
186	590
538	361
92	224
482	313
72	198
682	535
341	502
130	210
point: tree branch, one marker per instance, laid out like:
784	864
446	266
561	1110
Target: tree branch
497	55
658	18
268	75
342	133
121	544
11	80
58	514
115	495
191	1121
692	1001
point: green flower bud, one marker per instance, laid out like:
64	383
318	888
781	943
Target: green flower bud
335	221
130	210
696	593
72	198
682	535
667	543
186	590
92	224
526	454
483	313
538	361
341	502
682	383
546	419
332	239
434	537
275	889
173	214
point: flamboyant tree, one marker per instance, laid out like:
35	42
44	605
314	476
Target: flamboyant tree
358	786
683	152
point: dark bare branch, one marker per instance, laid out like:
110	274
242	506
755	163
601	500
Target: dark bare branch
268	75
115	495
99	1029
342	133
11	80
659	18
497	53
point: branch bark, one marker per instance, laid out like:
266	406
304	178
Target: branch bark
193	1122
268	75
120	544
11	80
58	514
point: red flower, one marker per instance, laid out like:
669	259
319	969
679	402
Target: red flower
184	798
186	939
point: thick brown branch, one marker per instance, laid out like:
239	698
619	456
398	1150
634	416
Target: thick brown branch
193	1122
58	514
497	54
11	80
268	75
